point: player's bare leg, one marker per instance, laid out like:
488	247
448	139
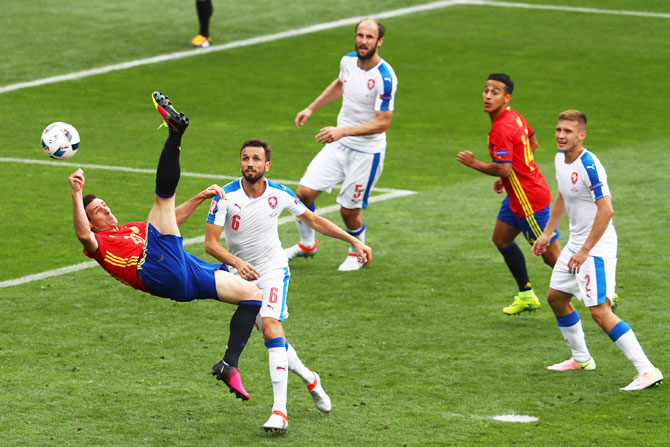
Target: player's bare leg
553	252
233	289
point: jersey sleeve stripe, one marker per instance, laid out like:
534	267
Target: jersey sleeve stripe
590	168
388	87
233	186
279	186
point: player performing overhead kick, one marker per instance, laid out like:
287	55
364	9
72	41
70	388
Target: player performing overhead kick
149	255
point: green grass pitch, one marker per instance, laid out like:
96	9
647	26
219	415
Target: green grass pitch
414	350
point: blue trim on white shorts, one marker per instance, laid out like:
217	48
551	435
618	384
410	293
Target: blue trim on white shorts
373	174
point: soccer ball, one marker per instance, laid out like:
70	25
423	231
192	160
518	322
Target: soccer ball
60	140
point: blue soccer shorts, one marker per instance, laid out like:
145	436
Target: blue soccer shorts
169	271
531	225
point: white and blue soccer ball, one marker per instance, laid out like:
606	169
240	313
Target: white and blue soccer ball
60	140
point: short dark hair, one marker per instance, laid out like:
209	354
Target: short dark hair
505	79
255	142
88	198
380	28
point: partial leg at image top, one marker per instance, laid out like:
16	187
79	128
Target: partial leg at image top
204	9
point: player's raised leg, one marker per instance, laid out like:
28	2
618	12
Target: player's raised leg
162	214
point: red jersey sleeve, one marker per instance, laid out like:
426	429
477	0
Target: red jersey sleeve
501	144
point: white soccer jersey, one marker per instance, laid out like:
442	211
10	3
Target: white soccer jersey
581	183
250	225
364	93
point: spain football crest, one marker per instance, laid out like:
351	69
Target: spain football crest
272	201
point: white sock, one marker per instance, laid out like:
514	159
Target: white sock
278	361
307	234
358	234
624	337
573	334
296	366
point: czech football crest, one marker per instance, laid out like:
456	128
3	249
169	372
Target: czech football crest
371	84
574	177
272	201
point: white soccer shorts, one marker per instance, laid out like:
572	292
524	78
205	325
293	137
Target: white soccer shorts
595	281
358	172
274	285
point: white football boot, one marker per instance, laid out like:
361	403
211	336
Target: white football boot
321	399
300	251
353	262
278	422
572	365
646	380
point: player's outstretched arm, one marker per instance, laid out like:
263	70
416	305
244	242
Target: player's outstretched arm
213	247
186	209
491	168
326	227
81	226
331	93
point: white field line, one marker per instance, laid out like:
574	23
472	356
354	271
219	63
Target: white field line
314	29
514	418
70	164
656	15
387	195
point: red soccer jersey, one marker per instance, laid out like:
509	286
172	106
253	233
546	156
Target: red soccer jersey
509	142
119	252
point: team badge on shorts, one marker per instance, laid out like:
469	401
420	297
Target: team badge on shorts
272	201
